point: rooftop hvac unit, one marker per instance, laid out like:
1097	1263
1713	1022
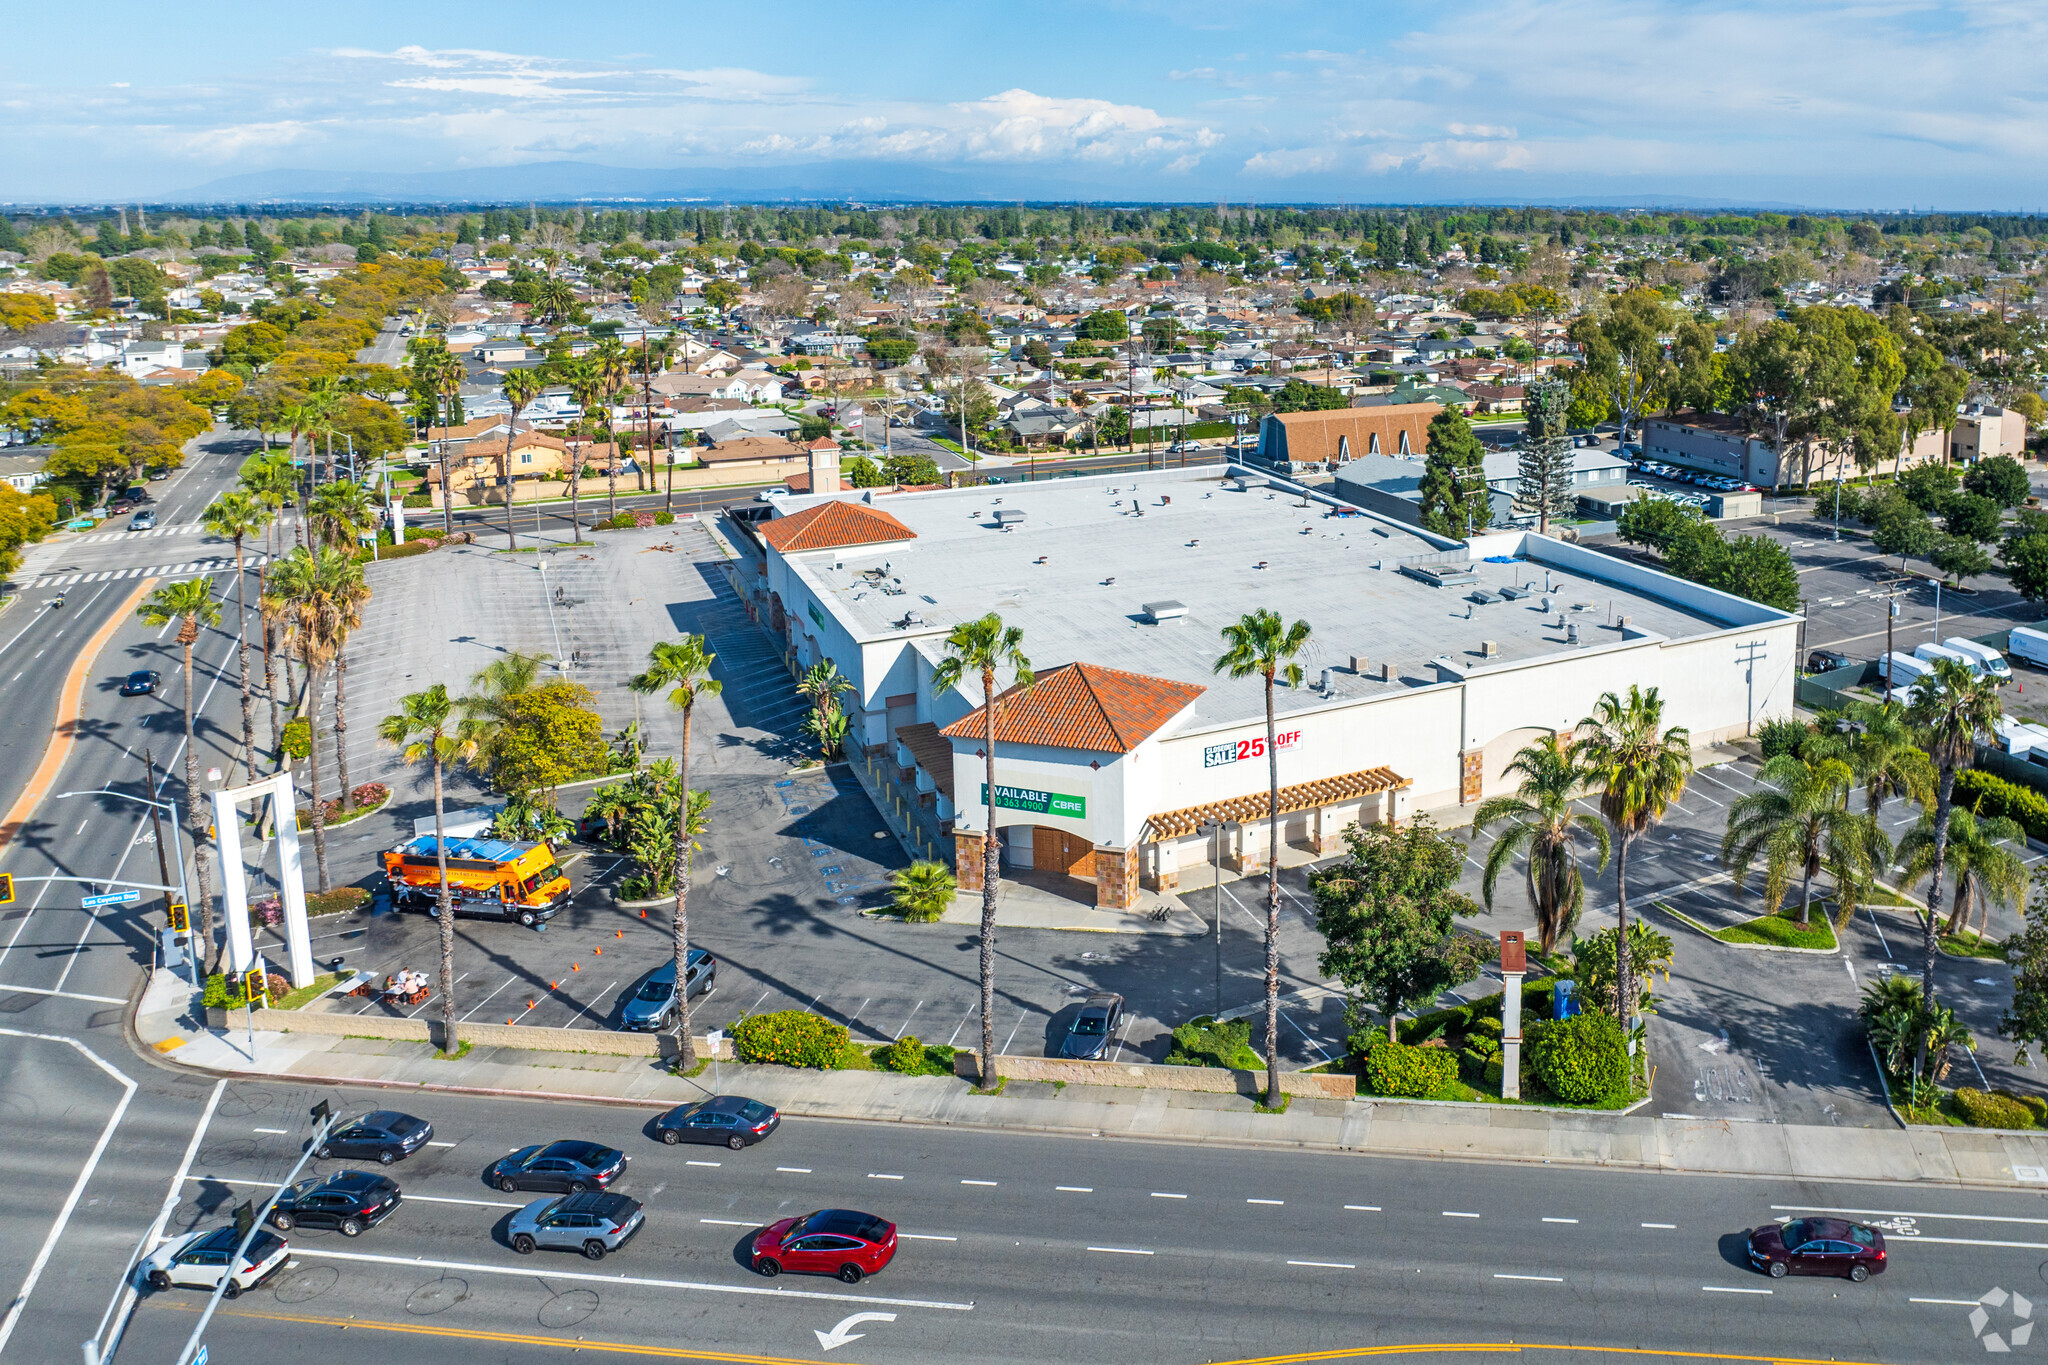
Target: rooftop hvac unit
1159	613
1009	516
1358	663
1489	649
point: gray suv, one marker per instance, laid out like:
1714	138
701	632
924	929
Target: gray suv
590	1223
653	1006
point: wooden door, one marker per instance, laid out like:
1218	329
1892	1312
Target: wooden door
1054	850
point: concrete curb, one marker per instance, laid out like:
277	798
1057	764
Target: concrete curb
1707	933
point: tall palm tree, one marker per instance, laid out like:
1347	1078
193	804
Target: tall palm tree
339	512
420	730
654	358
1798	820
683	670
521	388
1878	742
1543	824
237	515
1641	769
1988	855
349	593
981	647
449	374
305	592
1953	709
614	368
587	388
191	603
1259	643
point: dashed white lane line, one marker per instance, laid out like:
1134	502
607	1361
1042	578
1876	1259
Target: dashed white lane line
1543	1279
1161	1194
795	1170
1449	1214
702	1163
1560	1220
1075	1189
440	1144
1666	1226
1326	1265
1949	1303
925	1237
1265	1201
278	1132
1363	1208
990	1183
1724	1289
1121	1251
878	1175
728	1223
472	1267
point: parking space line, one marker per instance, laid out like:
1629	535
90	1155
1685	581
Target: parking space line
963	1023
906	1020
1021	1015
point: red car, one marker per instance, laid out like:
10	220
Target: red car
830	1242
1817	1246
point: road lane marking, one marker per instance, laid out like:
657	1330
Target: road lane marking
1560	1220
700	1163
795	1170
1724	1289
1265	1201
473	1267
125	1302
1949	1303
1449	1214
1544	1279
1121	1251
878	1175
1326	1265
728	1223
62	995
1667	1226
1159	1194
440	1144
1363	1208
1075	1189
925	1237
978	1182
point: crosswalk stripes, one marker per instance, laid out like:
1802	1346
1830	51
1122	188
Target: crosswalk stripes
108	537
194	569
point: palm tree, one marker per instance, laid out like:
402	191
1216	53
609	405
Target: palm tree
341	511
614	367
349	593
1259	643
309	593
1641	769
237	515
449	374
521	388
924	891
1543	822
654	358
492	689
1953	709
982	647
191	602
1987	869
1878	742
683	670
420	730
1798	820
587	388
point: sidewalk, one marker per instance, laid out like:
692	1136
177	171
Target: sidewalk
1373	1127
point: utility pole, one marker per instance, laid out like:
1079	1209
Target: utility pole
1891	614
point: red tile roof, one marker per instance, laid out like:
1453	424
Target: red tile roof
1083	706
832	526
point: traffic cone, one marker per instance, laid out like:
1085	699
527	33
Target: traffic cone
575	966
621	934
598	951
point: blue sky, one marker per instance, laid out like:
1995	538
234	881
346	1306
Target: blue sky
1878	104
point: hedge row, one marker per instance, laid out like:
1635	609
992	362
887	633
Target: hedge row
1991	796
1404	1072
2000	1109
789	1038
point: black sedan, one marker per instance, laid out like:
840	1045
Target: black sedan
1817	1246
347	1200
385	1135
1088	1037
571	1166
143	682
726	1120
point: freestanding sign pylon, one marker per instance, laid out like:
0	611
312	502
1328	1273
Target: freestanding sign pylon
227	827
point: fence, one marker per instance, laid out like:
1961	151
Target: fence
1829	691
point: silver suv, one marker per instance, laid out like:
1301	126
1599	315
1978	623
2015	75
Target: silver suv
590	1223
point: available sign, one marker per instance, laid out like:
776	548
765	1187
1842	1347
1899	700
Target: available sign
1038	802
1216	755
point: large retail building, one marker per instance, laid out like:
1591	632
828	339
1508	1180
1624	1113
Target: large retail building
1430	664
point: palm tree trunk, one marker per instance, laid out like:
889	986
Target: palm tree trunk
242	649
1960	914
1944	802
990	871
505	473
1805	900
447	918
270	687
1273	909
611	474
313	772
447	497
341	727
685	1054
1624	993
196	824
575	480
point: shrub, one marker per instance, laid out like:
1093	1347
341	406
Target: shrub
339	901
1423	1027
905	1056
1583	1060
409	549
1980	1110
1211	1042
790	1038
370	794
1991	796
1782	735
2034	1104
1407	1072
664	518
297	739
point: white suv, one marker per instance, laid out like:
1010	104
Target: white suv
199	1260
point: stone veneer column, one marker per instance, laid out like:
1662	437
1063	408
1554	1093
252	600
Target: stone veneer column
1116	877
967	856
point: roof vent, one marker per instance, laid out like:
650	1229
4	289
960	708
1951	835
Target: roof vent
1009	516
911	618
1158	613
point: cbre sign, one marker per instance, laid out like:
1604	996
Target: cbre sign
1038	802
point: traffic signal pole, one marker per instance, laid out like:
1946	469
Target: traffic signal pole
156	825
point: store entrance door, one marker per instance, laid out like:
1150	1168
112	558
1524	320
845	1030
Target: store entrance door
1061	853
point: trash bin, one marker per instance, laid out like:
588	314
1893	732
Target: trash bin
1567	998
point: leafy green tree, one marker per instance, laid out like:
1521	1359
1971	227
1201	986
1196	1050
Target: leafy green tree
1954	710
1114	426
2026	563
1260	643
1656	522
1594	963
1387	913
1454	492
552	735
1758	568
1104	324
1640	768
1544	826
1960	559
2000	478
1797	821
980	648
1298	395
420	729
909	467
1903	530
862	472
2025	1020
682	668
721	294
191	604
1974	516
1929	487
1623	350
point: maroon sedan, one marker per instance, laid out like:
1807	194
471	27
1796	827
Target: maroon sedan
1817	1246
830	1242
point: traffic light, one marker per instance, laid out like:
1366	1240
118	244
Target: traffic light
181	918
245	1218
321	1111
6	888
256	982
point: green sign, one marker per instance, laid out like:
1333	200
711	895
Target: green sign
816	615
1038	802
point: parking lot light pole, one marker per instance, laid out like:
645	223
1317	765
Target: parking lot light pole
1937	609
1838	506
1215	829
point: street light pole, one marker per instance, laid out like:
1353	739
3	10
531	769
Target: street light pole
156	826
1216	907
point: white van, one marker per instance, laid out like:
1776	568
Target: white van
1902	670
1989	661
1931	653
2024	642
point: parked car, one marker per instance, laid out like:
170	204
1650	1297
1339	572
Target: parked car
348	1201
1094	1026
1817	1246
568	1166
145	520
729	1120
653	1006
593	1224
1826	660
829	1242
384	1134
771	494
201	1260
143	682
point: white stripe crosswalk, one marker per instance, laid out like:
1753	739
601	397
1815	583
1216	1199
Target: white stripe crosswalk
109	537
193	569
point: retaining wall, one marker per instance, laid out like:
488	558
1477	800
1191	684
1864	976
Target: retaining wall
1211	1080
605	1041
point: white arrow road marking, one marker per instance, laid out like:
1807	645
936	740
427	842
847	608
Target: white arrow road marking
839	1336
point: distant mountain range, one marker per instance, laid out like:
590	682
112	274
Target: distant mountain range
885	182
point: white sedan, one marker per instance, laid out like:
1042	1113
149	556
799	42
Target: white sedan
199	1260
